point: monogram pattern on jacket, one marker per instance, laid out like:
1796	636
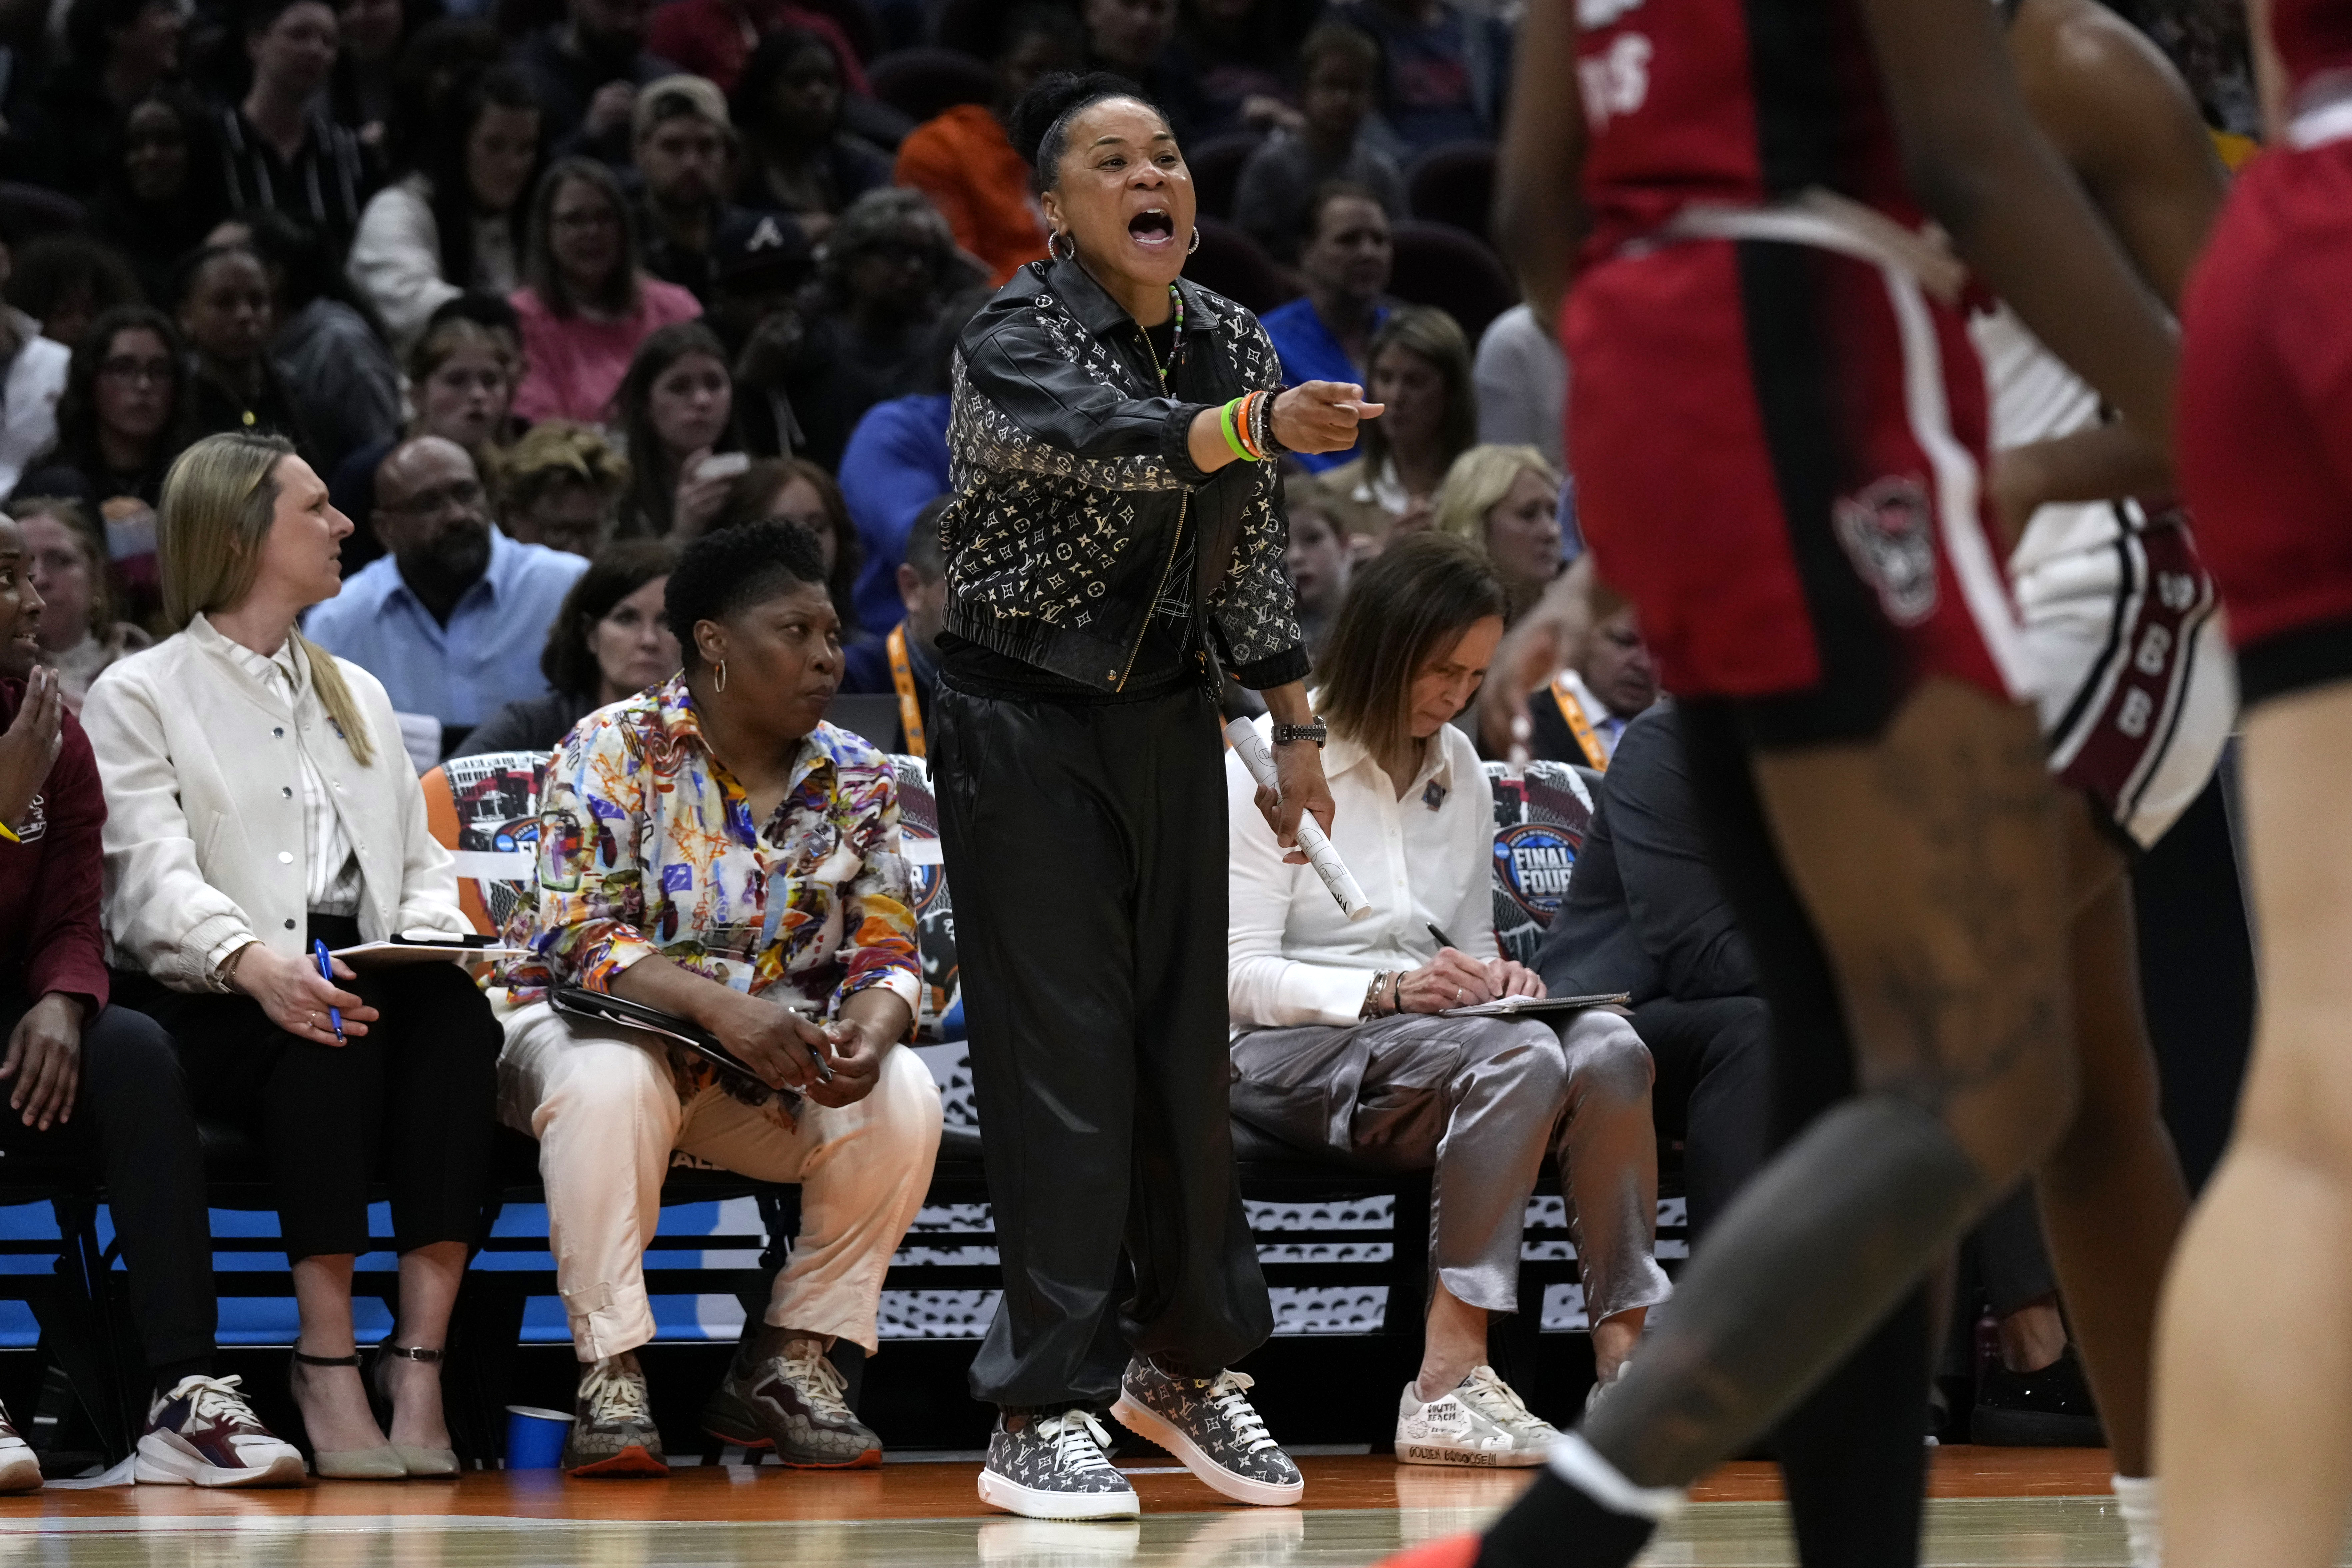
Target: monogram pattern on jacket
1040	534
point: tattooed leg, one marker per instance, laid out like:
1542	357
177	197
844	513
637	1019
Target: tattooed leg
1930	865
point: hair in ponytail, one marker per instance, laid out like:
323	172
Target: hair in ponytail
220	500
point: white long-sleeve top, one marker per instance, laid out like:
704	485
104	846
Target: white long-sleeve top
395	260
1424	859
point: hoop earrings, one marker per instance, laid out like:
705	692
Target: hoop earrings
719	681
1196	241
1054	245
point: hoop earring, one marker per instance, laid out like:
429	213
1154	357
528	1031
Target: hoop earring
1196	241
1054	245
718	681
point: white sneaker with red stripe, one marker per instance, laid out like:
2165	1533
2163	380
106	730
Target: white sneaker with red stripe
203	1434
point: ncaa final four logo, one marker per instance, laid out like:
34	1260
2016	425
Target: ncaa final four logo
1539	825
1533	861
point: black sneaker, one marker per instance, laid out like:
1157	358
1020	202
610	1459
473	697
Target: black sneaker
2049	1409
1051	1466
1209	1424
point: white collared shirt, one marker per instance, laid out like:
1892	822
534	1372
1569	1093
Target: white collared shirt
328	857
1608	727
1424	859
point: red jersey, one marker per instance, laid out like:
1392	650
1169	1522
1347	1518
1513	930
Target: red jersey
1729	102
2313	36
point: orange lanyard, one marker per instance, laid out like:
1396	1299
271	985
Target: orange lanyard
902	675
1579	725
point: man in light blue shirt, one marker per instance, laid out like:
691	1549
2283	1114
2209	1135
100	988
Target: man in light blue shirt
453	621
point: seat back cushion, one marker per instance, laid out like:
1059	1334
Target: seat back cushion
492	807
1539	825
919	831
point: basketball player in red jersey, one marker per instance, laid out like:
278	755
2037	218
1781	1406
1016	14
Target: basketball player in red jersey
1781	465
2254	1421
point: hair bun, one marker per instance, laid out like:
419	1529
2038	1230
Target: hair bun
1054	95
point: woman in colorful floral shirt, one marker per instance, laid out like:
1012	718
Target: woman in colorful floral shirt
713	849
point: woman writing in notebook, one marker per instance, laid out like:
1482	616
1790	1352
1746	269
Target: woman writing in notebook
258	804
1341	1043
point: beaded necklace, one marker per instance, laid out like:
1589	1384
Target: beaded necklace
1176	354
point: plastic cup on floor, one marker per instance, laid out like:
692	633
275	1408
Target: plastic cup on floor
535	1437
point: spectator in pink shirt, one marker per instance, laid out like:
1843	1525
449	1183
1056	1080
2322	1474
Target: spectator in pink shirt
586	302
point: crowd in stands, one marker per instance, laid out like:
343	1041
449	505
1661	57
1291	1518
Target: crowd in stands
572	382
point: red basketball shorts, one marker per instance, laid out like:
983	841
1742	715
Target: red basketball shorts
1778	451
2264	429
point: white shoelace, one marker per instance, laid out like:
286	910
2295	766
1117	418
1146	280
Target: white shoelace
1078	1438
818	1378
615	1395
215	1398
1498	1401
1228	1394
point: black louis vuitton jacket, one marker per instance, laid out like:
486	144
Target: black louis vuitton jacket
1073	477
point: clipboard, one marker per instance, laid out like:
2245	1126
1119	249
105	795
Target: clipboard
1535	1006
428	947
734	1074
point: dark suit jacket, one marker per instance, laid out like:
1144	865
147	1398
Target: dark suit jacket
1643	913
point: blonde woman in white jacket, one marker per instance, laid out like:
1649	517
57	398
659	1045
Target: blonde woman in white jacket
258	802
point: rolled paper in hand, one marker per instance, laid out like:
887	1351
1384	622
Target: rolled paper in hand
1251	747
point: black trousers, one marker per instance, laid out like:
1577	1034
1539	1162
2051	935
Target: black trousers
132	1122
1714	1090
413	1095
2008	1257
1085	846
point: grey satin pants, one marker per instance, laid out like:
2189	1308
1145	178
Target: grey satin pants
1478	1100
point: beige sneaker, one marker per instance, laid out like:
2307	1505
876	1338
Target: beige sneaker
1483	1423
613	1430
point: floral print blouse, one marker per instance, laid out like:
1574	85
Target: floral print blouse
646	847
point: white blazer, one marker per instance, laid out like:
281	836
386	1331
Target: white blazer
205	842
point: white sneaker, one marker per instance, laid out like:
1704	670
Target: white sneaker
1601	1385
20	1467
203	1434
1482	1423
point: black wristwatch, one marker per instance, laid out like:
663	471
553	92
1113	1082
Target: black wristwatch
1284	734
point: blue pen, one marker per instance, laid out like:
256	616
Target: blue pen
327	973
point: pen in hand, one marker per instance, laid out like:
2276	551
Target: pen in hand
1444	941
327	973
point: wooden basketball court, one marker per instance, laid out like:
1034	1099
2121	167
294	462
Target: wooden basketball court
2027	1508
